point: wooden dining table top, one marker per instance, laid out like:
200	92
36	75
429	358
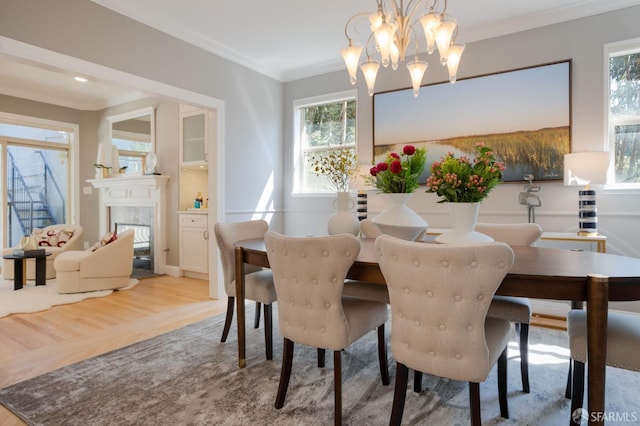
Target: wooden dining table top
537	272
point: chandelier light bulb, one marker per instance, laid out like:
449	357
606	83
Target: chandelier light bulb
351	56
416	70
453	60
430	23
444	33
384	39
394	55
370	71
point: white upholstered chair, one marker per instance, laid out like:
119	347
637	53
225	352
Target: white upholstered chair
106	268
258	281
50	238
623	347
440	295
309	274
514	309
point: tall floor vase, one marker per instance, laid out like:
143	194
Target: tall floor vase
464	217
399	220
343	221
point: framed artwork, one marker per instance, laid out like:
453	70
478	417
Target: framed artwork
524	115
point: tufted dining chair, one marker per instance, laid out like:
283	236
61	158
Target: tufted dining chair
308	274
440	295
258	281
514	309
623	347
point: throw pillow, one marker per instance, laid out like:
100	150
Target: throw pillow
107	238
53	237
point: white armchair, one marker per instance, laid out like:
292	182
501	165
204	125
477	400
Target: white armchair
106	268
52	238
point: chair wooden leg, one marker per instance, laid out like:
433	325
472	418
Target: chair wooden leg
256	321
502	385
285	373
567	391
268	331
382	356
474	403
417	381
227	322
321	353
337	383
399	394
524	357
577	391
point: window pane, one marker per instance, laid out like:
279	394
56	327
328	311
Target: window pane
627	153
330	124
36	189
34	133
624	115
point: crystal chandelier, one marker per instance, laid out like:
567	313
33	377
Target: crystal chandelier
394	30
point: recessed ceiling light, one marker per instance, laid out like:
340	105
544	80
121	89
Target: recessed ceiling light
80	79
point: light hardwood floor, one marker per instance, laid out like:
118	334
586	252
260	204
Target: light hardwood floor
34	344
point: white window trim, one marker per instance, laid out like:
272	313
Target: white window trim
73	157
297	158
615	49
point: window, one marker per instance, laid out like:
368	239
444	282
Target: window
321	124
35	174
624	110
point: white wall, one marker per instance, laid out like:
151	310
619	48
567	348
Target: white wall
580	40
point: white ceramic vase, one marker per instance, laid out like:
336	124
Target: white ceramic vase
464	217
399	220
343	221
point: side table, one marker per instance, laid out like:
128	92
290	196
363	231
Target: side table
20	268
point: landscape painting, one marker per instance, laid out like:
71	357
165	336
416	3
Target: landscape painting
523	115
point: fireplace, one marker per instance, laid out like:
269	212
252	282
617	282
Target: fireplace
138	203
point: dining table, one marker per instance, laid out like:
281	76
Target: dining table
537	272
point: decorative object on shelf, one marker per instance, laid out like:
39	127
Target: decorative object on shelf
584	168
399	220
101	164
197	203
394	32
343	221
397	177
466	182
526	198
150	163
102	171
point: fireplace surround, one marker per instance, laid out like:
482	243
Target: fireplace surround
139	202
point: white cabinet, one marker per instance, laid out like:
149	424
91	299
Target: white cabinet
193	136
194	243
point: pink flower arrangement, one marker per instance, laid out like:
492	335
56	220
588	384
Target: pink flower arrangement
460	180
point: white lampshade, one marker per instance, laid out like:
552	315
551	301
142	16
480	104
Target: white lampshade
583	168
416	70
370	70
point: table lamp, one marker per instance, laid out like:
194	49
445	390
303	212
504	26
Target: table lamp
582	169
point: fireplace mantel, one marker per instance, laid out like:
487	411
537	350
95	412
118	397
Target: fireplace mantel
137	191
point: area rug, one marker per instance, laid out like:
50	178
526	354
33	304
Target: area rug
187	377
32	298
